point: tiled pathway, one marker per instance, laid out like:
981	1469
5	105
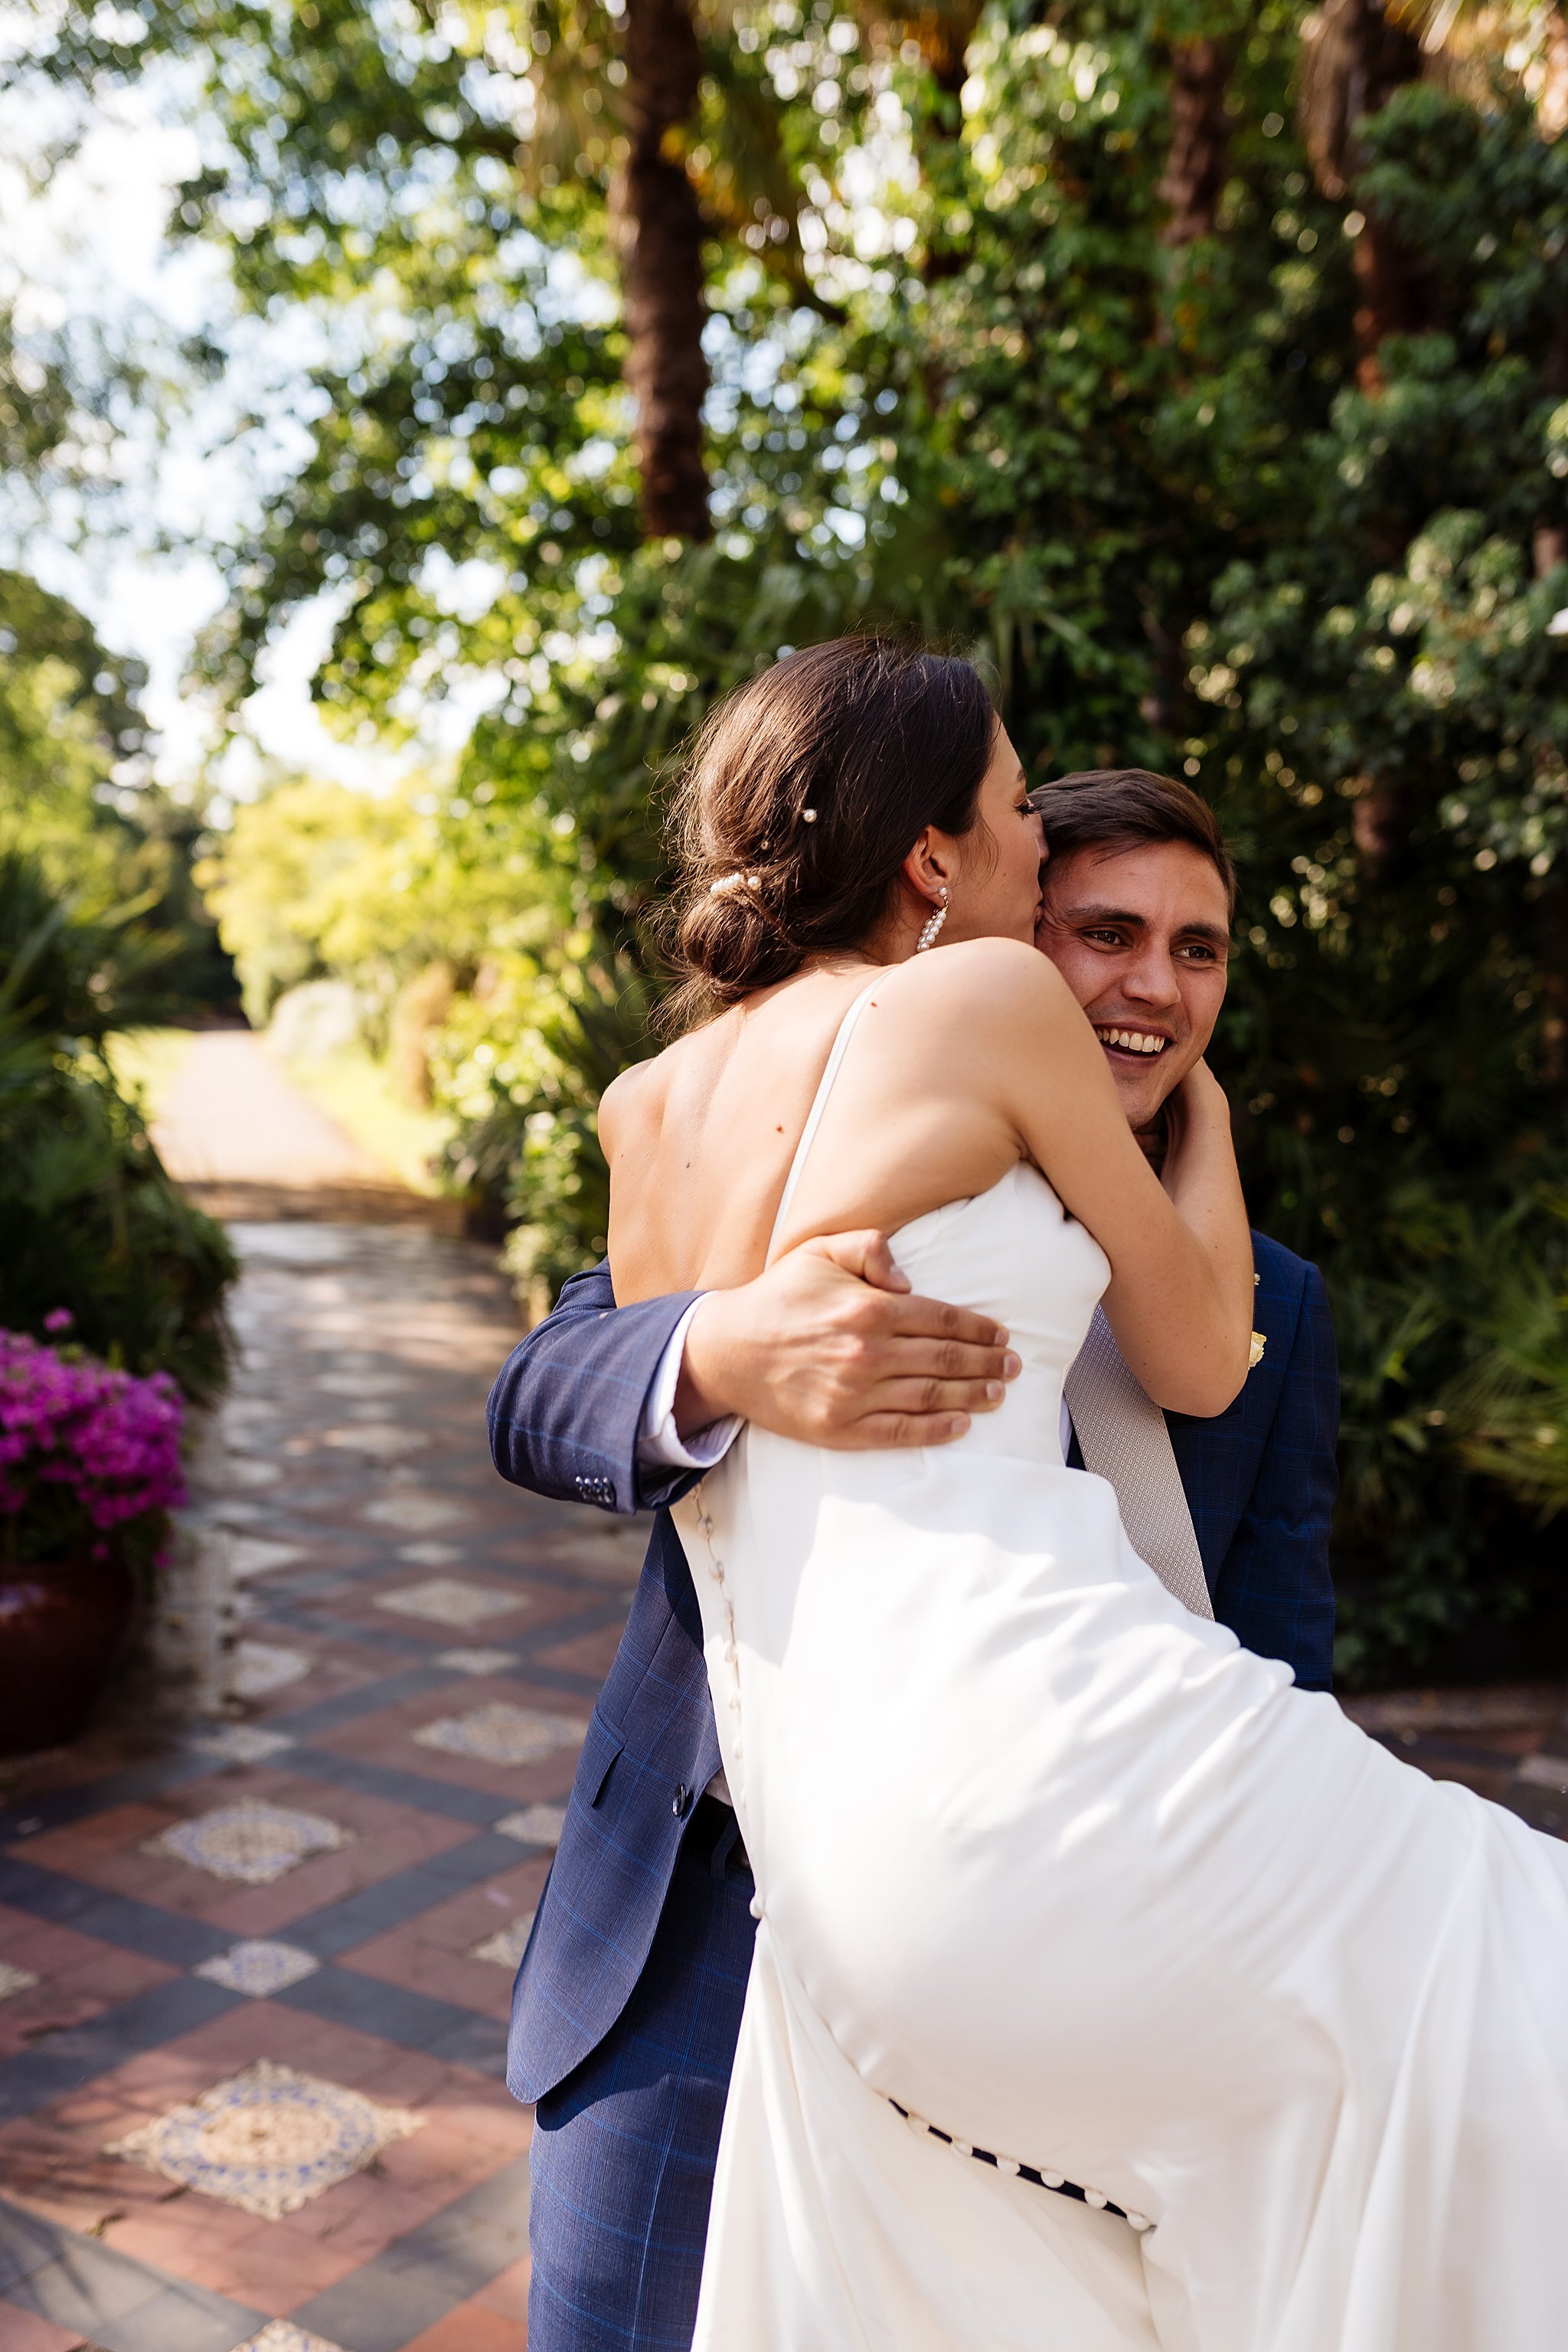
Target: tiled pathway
255	1982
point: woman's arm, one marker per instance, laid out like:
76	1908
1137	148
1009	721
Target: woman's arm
1180	1296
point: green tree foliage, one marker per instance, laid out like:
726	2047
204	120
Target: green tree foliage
101	924
89	1220
1241	449
74	795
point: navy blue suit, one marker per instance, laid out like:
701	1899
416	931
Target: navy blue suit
627	2004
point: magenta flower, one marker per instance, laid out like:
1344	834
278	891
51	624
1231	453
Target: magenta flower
59	1319
83	1449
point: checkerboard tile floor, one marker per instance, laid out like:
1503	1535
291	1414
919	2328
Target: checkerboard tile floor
255	1975
293	2025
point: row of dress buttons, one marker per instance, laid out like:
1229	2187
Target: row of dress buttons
1010	2167
597	1490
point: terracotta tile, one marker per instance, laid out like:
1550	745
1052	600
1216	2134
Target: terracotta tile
588	1653
192	2237
472	2328
508	2291
78	1976
482	2106
431	1953
279	2269
21	2331
362	2216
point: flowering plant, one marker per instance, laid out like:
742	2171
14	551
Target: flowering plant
89	1457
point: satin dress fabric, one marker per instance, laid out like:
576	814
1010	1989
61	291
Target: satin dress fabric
1067	1873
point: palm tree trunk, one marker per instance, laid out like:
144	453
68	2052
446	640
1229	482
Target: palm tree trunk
658	231
1198	162
1352	60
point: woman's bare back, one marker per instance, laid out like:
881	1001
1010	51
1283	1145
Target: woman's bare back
700	1140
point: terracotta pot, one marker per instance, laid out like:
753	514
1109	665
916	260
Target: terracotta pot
61	1626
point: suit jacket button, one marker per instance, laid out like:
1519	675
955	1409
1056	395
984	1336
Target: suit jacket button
680	1804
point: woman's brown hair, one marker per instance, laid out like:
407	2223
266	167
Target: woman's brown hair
807	789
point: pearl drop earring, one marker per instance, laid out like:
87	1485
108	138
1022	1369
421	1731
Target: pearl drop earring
929	935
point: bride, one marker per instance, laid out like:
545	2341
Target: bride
1059	1888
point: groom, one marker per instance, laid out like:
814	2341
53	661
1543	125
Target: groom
627	2004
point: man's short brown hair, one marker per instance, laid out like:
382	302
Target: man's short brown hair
1122	808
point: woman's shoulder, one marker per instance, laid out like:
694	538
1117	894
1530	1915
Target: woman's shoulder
634	1100
635	1104
971	976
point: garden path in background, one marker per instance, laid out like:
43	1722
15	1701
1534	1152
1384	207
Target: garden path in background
257	1971
246	1142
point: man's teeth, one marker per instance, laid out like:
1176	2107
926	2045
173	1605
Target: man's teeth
1132	1041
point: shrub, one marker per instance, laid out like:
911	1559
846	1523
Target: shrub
90	1222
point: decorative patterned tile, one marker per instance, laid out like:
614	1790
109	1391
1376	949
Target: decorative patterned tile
383	1440
283	2335
503	1734
13	1979
250	1841
411	1508
506	1947
250	1470
236	1515
268	2140
476	1661
448	1601
535	1824
242	1743
258	1968
260	1555
261	1666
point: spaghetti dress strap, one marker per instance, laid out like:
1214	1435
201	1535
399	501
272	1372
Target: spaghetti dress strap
819	1103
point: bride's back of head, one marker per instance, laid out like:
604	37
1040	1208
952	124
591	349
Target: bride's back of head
807	789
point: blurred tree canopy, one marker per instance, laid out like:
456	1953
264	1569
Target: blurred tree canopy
1204	365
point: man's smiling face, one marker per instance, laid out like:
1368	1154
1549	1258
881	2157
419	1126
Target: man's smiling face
1141	936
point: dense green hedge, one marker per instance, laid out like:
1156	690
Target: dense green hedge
89	1220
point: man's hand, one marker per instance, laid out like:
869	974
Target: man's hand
830	1347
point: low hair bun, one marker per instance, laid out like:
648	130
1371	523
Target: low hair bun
731	944
806	791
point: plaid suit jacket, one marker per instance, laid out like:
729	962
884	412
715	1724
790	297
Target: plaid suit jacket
563	1419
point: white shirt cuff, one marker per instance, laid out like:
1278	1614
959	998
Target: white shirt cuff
660	1445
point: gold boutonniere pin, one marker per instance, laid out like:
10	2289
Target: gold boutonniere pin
1255	1353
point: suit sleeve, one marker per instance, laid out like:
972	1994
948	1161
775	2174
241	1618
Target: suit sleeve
566	1408
1281	1544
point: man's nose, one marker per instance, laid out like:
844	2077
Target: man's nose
1152	977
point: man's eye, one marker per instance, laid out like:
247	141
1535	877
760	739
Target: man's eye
1199	953
1106	939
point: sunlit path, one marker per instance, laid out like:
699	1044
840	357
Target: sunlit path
232	1117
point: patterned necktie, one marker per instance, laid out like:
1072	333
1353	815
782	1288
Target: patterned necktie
1122	1436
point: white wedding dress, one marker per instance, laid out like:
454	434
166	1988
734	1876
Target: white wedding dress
1069	1876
